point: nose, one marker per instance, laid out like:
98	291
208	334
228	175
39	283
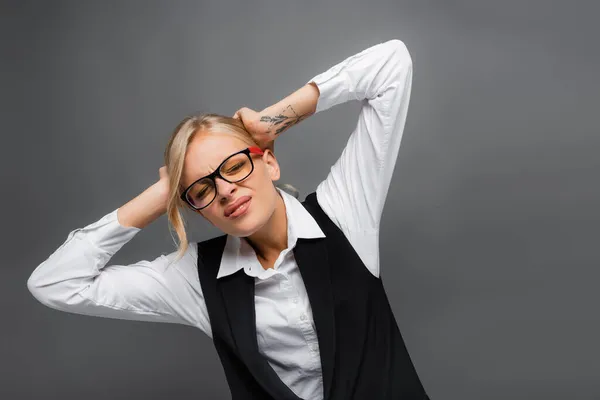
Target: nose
224	188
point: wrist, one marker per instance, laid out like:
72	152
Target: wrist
291	110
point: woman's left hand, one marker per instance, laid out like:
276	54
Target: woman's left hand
261	131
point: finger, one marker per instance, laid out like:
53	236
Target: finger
237	114
240	112
162	172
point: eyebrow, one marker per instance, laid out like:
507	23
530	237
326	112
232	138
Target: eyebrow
205	175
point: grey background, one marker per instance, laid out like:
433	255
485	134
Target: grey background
489	236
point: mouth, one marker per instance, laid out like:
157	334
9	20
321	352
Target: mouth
244	204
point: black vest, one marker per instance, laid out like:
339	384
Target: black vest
363	355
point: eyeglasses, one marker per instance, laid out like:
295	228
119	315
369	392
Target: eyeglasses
234	168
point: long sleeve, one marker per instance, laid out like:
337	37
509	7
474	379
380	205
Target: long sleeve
354	192
77	278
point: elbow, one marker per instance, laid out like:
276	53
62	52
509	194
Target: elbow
62	295
36	291
44	293
400	52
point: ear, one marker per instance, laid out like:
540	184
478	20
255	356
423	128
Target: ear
271	164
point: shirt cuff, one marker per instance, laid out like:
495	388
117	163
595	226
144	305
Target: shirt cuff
107	234
333	87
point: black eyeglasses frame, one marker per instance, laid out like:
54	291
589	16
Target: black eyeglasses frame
216	173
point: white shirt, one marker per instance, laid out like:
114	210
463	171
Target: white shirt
78	278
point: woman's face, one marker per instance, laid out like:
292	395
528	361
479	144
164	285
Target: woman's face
205	153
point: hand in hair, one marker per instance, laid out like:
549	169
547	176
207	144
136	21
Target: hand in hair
163	187
260	129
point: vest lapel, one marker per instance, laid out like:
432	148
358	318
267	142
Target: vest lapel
238	296
311	256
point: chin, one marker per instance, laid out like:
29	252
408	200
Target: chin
244	228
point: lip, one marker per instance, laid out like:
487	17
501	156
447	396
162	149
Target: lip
229	209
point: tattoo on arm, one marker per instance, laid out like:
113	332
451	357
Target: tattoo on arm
282	122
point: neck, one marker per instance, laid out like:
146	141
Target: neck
270	240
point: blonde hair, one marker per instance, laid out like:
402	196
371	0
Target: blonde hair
175	151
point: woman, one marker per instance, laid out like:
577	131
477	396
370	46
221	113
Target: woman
291	293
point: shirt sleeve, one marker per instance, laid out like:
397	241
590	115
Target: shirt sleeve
353	193
77	278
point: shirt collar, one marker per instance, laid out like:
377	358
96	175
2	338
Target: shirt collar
301	224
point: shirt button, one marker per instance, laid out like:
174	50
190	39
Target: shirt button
295	301
313	347
303	317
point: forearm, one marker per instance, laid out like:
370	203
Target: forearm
143	209
291	110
